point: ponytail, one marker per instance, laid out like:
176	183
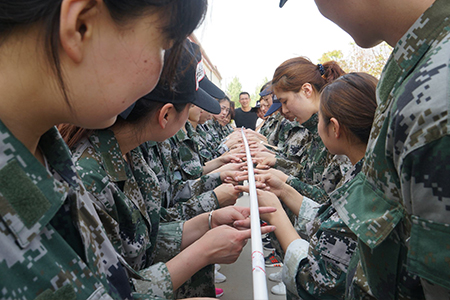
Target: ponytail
293	73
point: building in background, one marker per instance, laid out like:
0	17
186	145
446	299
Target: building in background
210	69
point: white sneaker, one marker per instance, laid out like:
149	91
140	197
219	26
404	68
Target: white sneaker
219	277
275	276
217	267
279	289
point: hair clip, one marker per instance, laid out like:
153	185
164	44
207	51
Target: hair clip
321	69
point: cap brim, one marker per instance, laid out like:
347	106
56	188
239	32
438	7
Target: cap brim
273	108
265	92
211	88
127	111
206	102
282	3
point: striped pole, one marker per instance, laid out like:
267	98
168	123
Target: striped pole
258	265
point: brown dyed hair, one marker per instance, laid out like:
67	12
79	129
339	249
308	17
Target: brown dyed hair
351	99
292	74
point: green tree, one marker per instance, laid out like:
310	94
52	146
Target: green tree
233	90
335	55
370	60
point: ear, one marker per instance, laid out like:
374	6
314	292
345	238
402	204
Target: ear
307	89
76	26
165	114
334	123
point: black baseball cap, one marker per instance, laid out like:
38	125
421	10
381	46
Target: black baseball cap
184	88
206	84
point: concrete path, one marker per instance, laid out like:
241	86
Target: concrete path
239	284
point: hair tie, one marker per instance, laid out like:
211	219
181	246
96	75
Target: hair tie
321	69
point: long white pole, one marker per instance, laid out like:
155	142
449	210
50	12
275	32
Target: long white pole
258	265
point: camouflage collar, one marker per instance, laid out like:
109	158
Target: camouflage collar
104	142
189	129
312	122
31	196
181	136
409	51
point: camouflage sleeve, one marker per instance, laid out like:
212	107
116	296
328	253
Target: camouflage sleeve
168	243
190	188
426	194
315	191
307	213
221	149
157	286
295	253
288	167
329	180
185	210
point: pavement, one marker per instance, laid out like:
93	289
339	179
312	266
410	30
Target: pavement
239	284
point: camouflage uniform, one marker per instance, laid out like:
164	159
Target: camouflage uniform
159	157
292	140
317	171
181	199
53	244
271	128
206	148
219	134
318	269
187	166
399	205
126	197
186	153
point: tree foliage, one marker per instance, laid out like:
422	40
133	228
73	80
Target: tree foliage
370	60
233	90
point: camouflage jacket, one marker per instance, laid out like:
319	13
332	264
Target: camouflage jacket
403	226
206	148
318	269
292	140
181	199
53	244
127	199
186	153
271	128
219	134
316	172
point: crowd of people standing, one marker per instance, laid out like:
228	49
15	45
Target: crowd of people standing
119	181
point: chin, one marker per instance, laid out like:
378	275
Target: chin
99	125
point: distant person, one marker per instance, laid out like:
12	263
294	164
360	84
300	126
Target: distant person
245	116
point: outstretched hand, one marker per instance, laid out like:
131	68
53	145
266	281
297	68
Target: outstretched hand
230	215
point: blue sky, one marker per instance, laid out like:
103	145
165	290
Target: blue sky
250	38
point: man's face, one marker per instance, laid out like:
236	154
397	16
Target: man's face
244	100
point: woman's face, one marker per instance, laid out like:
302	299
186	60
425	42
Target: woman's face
296	106
194	113
264	106
224	110
205	116
119	66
